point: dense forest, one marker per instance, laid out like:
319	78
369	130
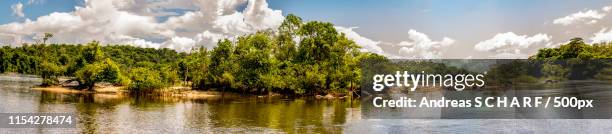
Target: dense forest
575	60
297	58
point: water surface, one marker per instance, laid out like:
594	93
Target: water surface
107	113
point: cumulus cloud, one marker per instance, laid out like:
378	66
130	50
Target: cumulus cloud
367	45
604	35
135	22
510	45
420	46
607	9
179	44
588	17
18	9
209	39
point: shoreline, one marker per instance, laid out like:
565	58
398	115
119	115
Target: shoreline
73	90
119	91
176	92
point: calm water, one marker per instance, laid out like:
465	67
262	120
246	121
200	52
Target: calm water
107	113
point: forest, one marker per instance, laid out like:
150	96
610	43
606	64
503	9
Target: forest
321	61
297	58
575	60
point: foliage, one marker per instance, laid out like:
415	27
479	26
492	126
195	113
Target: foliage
576	48
106	71
50	73
145	79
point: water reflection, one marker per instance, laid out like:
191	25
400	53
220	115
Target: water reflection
114	113
111	113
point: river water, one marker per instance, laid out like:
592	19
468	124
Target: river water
106	113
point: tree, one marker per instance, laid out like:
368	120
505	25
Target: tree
145	79
106	71
49	73
92	52
46	37
253	56
221	61
316	43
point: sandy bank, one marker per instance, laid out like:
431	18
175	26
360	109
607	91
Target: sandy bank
61	89
177	92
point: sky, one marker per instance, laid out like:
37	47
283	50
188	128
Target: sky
414	29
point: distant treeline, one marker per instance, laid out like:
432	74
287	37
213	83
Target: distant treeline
297	58
575	60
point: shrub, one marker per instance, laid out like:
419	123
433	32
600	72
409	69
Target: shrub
145	79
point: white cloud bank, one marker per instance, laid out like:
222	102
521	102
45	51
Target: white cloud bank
604	35
18	9
420	46
588	17
120	22
367	45
607	9
511	45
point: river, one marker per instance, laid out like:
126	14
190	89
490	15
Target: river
104	113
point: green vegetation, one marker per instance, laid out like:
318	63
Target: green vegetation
322	61
576	48
575	60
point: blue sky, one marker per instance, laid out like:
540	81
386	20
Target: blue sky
448	28
434	16
36	9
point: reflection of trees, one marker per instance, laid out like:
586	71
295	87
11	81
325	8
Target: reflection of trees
512	72
294	116
151	101
87	107
87	113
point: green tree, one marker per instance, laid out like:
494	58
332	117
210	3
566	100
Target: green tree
145	79
50	73
92	52
106	71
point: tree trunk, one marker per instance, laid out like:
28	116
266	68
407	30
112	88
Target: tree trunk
187	72
91	87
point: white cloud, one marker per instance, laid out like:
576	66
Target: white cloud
420	46
18	9
607	9
179	43
367	45
604	35
208	39
589	17
516	46
135	22
30	2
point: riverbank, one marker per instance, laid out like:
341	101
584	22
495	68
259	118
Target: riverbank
182	92
62	89
179	92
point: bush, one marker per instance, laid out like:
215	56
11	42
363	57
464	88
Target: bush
49	73
145	79
106	71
